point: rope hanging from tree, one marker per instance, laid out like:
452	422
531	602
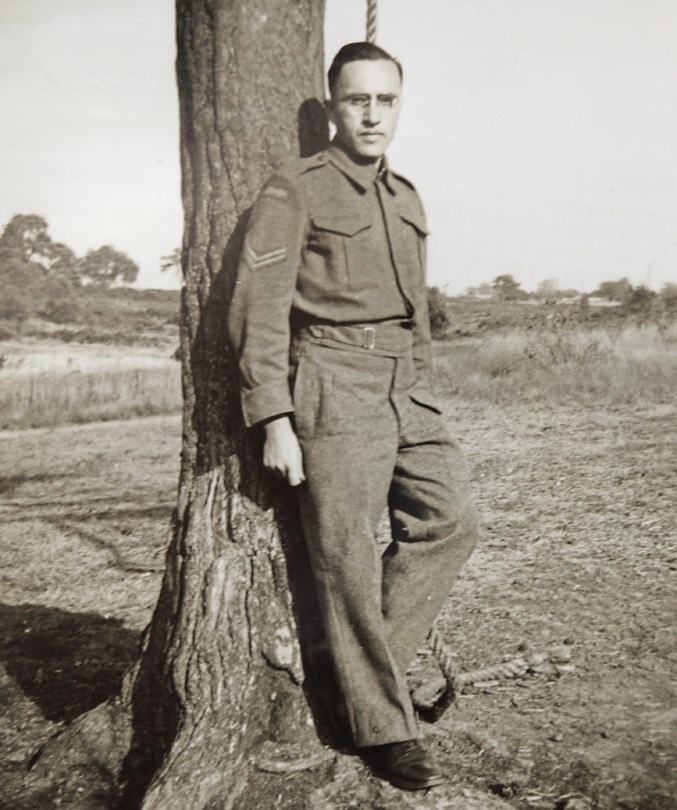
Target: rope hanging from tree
371	20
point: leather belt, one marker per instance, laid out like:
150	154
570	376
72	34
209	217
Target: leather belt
386	337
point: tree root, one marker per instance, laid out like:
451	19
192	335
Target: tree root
289	758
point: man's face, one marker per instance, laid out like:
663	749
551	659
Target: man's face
365	107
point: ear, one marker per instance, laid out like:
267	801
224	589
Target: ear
330	110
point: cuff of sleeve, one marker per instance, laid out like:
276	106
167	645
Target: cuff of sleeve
266	401
423	374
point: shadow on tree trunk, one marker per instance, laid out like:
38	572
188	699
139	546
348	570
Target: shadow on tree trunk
313	129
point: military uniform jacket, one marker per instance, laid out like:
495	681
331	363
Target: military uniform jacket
328	241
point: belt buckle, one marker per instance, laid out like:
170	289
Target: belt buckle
369	337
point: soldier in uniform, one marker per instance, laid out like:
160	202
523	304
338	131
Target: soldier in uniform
329	321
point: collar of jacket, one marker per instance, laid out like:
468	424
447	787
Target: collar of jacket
363	176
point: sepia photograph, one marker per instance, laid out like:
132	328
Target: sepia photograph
338	405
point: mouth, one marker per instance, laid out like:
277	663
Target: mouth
370	135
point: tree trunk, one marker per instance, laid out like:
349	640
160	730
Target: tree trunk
220	668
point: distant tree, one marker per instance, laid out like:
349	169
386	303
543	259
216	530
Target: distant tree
505	288
39	277
107	267
60	302
481	290
62	263
550	290
26	291
614	290
172	261
547	289
25	237
172	264
22	285
667	299
669	291
640	300
15	305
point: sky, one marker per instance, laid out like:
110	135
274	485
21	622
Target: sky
541	134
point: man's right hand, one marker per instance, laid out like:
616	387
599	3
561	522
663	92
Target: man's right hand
282	452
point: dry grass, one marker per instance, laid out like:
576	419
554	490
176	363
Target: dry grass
45	383
630	366
59	398
49	385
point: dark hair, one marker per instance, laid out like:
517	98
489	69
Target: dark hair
355	52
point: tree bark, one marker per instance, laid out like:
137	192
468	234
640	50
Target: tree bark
220	668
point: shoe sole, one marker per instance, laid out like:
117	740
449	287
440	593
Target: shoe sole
403	784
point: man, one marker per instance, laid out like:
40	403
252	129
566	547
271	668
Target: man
329	321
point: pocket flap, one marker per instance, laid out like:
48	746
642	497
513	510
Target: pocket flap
422	396
418	222
343	224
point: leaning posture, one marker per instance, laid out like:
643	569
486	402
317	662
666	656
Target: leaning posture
329	321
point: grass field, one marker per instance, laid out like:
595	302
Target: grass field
578	549
51	383
572	442
600	368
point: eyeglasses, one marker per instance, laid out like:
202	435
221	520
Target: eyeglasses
363	100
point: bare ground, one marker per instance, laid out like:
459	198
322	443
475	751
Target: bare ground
578	550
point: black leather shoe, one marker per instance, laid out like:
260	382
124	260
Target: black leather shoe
406	765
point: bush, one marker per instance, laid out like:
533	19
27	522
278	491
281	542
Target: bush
437	311
15	305
634	365
64	308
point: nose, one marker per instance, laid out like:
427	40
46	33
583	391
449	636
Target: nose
372	111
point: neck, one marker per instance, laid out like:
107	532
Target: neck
359	160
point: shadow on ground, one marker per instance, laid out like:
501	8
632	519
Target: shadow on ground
66	663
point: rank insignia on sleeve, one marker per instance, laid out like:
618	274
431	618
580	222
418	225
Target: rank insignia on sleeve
276	192
258	260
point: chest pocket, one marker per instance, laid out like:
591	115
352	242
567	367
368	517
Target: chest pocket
413	245
337	247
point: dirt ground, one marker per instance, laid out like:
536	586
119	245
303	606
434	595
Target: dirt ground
578	551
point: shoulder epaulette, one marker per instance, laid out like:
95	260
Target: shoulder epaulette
403	179
307	164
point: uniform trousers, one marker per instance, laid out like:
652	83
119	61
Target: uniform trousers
372	438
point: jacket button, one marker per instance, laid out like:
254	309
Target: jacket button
376	729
